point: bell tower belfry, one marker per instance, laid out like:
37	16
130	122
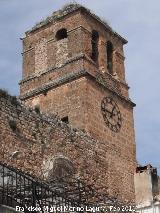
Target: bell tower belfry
73	65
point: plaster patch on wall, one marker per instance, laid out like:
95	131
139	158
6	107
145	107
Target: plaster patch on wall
41	56
62	52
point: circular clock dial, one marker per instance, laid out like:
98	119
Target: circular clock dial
111	114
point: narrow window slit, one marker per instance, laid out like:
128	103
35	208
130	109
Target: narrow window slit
95	39
109	57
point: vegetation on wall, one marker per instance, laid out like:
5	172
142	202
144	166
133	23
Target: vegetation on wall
13	99
13	125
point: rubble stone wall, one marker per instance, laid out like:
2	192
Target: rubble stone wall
29	140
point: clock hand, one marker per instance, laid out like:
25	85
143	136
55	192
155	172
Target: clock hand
108	111
112	112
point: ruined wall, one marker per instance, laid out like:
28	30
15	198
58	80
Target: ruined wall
146	185
143	188
38	139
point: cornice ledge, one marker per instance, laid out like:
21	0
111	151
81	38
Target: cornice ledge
65	79
98	78
53	69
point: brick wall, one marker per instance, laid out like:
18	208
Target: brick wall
69	83
41	56
38	138
79	26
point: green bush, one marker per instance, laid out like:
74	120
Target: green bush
13	125
3	94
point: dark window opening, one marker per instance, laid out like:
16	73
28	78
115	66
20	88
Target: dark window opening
110	57
65	119
95	38
61	34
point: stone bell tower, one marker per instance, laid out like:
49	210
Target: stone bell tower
73	65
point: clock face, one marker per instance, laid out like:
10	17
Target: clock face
111	114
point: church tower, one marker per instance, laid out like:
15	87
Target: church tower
73	65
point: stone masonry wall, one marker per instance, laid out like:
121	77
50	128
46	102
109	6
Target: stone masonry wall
62	52
79	28
66	100
29	140
80	100
74	85
41	56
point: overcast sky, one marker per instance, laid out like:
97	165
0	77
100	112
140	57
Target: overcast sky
136	20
